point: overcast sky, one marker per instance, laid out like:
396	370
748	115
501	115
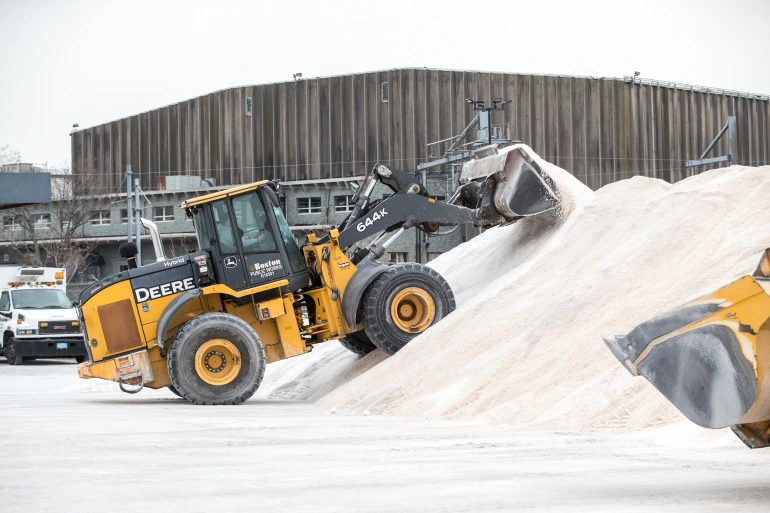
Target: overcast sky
90	62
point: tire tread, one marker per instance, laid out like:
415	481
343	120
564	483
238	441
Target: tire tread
187	331
370	311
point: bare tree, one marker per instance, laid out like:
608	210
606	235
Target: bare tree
53	234
182	245
9	156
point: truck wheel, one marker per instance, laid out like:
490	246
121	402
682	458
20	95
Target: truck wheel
174	390
358	343
80	359
10	352
402	302
216	358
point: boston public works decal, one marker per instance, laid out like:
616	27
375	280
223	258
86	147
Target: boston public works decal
266	269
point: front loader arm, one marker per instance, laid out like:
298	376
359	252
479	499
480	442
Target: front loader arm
400	208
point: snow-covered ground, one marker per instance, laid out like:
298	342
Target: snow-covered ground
74	445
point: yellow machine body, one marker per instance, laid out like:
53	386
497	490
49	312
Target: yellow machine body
711	357
122	334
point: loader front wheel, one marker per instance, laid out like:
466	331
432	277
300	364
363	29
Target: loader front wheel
358	343
216	358
402	302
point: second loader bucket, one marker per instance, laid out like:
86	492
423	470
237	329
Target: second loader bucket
711	357
517	185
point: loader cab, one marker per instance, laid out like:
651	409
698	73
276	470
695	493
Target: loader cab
249	239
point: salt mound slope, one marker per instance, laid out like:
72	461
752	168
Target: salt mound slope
524	348
494	253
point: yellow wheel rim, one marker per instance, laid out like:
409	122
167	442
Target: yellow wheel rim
413	310
217	362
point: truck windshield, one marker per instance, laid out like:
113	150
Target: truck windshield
40	299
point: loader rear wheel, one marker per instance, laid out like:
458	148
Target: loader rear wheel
216	358
10	353
402	302
358	343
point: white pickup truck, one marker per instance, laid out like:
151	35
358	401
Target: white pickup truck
38	319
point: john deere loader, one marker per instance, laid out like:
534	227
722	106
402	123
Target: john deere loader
206	324
711	357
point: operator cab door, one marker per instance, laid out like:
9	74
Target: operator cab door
260	249
248	252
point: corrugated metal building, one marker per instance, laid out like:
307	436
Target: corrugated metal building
600	129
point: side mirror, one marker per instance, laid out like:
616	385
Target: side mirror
129	250
5	314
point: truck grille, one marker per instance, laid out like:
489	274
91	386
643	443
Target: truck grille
57	328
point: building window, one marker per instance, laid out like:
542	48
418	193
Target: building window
432	255
42	221
397	257
248	105
343	203
100	218
163	214
384	92
309	205
124	215
65	223
11	224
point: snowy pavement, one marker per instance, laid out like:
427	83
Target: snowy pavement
76	445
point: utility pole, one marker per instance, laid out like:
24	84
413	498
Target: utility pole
138	210
130	213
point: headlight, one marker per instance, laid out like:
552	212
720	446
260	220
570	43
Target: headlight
26	332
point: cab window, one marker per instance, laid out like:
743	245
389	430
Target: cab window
225	234
200	229
5	302
292	250
253	224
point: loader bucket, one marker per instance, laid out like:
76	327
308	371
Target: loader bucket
520	186
711	357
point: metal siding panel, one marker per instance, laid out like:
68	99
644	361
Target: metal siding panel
281	170
377	143
325	140
593	134
257	124
335	127
348	132
551	120
314	158
361	123
268	133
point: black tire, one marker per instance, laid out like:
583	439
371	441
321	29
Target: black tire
175	391
181	359
376	304
358	343
81	358
10	353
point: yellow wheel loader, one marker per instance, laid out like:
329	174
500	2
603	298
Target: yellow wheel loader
206	324
711	357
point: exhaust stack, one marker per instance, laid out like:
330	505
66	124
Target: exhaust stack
157	245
